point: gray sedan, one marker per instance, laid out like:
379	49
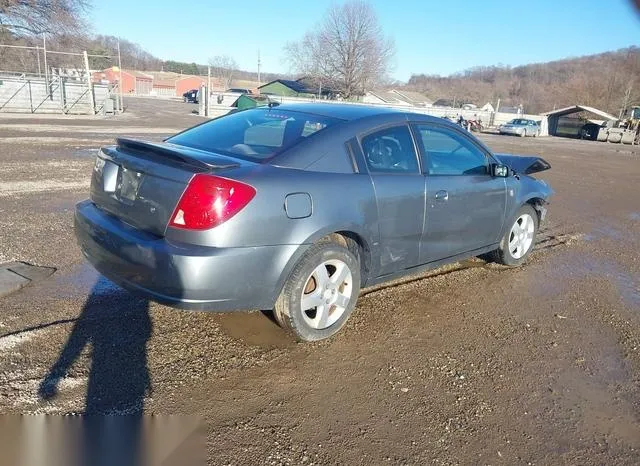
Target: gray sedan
296	208
520	127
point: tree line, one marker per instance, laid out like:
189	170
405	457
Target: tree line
608	81
347	51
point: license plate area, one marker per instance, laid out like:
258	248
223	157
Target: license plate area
128	184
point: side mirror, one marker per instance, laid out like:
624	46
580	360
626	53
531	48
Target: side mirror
499	171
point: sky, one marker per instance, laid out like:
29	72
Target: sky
431	36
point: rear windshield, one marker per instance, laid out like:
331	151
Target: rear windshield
518	122
254	134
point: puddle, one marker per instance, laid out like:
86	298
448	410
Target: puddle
90	152
82	281
16	275
61	203
635	216
604	231
254	328
580	266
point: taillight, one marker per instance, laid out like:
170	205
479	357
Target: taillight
209	201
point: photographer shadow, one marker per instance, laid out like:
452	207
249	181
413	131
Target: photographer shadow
117	327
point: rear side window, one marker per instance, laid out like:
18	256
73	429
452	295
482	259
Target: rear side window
448	153
390	150
255	134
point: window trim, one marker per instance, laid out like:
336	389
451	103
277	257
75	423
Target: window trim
383	127
416	133
352	156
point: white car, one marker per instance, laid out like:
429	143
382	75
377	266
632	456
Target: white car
520	127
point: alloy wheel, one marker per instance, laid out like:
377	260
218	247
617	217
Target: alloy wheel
326	294
521	236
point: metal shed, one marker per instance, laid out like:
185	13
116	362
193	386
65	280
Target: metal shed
555	119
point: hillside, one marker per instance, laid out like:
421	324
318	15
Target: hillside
604	81
607	81
133	56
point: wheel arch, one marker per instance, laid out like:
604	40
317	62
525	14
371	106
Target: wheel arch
347	236
537	202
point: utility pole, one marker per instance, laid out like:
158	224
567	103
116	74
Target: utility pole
120	79
46	69
38	55
259	83
208	89
92	98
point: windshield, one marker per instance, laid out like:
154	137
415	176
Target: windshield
518	121
255	134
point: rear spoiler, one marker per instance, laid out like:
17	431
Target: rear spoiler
525	165
178	154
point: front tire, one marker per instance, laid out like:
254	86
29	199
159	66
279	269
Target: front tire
321	292
518	241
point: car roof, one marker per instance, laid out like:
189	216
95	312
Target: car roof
347	112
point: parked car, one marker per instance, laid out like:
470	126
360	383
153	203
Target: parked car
296	208
590	131
191	96
238	90
520	127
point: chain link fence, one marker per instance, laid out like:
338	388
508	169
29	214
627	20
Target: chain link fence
34	79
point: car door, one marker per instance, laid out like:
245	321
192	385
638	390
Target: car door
465	204
392	162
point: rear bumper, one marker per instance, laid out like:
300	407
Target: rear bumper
181	275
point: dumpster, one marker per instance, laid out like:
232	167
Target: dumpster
246	101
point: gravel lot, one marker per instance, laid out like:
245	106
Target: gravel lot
471	363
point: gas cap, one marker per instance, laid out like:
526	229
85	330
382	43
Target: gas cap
298	205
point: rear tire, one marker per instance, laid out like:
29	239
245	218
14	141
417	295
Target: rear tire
520	238
321	292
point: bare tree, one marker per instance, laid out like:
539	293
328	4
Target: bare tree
27	17
223	67
347	50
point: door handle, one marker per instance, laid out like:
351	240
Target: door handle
442	196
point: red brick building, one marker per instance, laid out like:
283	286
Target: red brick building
133	82
167	83
186	83
160	83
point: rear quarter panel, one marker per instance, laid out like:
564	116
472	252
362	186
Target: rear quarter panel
340	201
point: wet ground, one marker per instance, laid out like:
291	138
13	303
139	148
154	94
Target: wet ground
471	363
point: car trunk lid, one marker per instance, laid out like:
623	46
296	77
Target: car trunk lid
141	182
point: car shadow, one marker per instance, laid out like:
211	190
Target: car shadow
116	327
